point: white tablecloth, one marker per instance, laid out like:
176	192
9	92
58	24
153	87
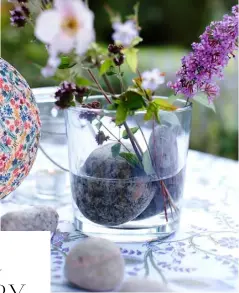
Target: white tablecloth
202	256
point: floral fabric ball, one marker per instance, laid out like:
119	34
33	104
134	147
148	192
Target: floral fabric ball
19	128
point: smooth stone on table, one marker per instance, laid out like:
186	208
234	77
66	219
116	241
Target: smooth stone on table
136	284
107	192
40	218
95	264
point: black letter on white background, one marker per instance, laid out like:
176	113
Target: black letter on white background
11	285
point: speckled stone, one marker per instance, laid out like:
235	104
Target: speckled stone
110	202
40	218
95	264
101	164
175	186
136	284
163	141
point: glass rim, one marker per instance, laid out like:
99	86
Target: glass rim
78	108
44	94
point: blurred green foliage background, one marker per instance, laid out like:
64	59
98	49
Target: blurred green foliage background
168	29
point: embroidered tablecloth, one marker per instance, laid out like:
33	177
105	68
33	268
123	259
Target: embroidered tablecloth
202	255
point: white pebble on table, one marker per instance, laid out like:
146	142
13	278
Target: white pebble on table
39	218
95	264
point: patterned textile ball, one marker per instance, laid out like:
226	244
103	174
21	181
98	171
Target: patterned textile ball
19	128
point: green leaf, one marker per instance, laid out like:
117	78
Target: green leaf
65	62
152	111
131	159
164	104
81	81
136	41
109	73
132	100
115	149
105	66
111	107
133	130
98	125
121	114
203	100
72	104
147	163
131	55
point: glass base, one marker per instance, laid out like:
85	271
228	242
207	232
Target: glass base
129	232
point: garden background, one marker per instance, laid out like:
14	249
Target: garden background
168	29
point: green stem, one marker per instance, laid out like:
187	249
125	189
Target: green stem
121	80
139	147
99	86
187	102
132	140
97	90
151	157
130	135
110	88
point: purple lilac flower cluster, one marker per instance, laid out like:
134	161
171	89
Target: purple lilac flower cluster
20	14
208	58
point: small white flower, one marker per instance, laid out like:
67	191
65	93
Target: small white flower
68	26
152	79
125	32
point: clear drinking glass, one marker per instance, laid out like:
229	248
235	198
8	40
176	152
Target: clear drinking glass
114	199
48	180
51	166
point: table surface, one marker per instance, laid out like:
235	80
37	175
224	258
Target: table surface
202	255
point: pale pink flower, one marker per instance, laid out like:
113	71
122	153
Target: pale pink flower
68	26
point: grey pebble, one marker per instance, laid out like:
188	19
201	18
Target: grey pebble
175	186
106	201
95	264
136	284
39	218
163	141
